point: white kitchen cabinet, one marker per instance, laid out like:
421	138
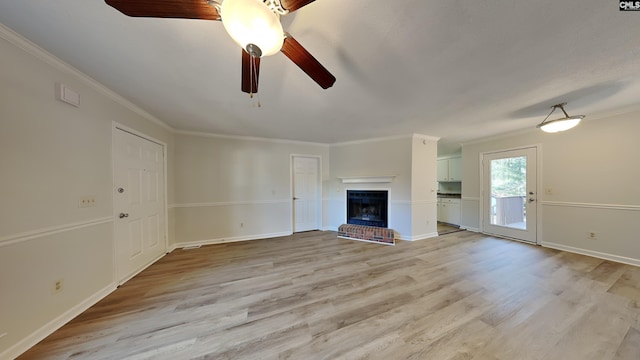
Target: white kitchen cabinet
449	211
455	169
450	169
443	170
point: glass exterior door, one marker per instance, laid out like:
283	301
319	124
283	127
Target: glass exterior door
509	194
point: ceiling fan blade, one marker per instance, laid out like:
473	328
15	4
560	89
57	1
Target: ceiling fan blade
250	73
293	5
299	55
184	9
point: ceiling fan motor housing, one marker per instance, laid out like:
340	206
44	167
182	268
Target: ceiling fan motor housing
254	50
276	7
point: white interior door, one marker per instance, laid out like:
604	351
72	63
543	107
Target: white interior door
306	193
510	194
138	203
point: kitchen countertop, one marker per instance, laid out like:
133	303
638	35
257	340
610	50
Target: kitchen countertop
449	196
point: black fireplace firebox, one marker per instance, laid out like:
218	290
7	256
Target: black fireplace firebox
367	207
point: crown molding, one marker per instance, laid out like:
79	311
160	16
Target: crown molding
43	55
364	141
298	142
248	138
426	137
387	138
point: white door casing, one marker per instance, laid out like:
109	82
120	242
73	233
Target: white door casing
138	203
306	192
509	216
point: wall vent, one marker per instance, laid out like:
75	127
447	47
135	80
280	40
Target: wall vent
64	94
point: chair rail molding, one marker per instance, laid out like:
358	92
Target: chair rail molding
592	205
38	233
229	203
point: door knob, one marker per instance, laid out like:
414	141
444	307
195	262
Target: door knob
532	199
295	198
123	215
120	190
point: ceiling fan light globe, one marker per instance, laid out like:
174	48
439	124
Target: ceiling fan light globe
560	124
252	22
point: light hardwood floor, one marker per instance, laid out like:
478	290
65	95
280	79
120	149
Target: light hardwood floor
314	296
444	228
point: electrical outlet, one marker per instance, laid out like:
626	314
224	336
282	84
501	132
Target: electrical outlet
58	286
87	201
241	225
548	191
592	235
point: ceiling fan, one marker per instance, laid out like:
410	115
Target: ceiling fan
253	24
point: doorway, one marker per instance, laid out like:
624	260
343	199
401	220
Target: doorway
509	191
306	192
138	202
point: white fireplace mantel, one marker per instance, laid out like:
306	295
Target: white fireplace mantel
367	179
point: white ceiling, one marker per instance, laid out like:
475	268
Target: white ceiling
457	69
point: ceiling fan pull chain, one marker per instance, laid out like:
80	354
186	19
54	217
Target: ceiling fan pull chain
253	73
251	63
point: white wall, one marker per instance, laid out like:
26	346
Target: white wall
593	174
424	210
411	159
372	158
233	188
51	154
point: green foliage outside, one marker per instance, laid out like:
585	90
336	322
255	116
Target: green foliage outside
509	177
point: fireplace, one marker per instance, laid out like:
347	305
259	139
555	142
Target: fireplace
367	207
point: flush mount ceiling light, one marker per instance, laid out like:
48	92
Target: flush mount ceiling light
562	124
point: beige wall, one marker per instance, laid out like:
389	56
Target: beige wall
51	154
593	176
235	189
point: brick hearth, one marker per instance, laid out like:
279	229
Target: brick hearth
373	234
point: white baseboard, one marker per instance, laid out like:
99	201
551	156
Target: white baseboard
46	330
143	268
330	228
418	237
596	254
228	240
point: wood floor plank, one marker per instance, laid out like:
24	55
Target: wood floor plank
630	347
628	285
313	296
594	336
